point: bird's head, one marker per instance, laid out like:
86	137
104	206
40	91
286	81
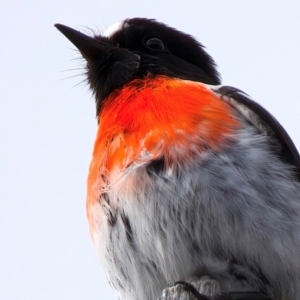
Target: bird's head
140	47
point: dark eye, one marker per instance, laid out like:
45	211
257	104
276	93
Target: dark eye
155	43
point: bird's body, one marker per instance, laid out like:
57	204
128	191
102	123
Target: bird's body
187	178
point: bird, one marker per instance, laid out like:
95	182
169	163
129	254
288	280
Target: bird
188	177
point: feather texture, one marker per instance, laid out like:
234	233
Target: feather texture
189	201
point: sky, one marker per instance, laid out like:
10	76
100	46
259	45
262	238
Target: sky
48	121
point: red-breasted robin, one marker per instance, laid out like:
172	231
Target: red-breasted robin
188	178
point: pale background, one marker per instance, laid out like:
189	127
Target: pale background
48	126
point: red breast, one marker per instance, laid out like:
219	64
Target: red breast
154	117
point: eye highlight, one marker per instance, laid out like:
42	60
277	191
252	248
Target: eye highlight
154	43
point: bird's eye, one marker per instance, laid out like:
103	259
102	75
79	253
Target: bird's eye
155	43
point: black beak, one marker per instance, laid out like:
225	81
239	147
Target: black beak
89	47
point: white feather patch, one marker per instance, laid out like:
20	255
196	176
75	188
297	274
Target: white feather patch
113	28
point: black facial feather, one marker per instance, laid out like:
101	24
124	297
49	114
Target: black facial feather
145	47
179	44
111	73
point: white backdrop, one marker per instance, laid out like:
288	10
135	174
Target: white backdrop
48	126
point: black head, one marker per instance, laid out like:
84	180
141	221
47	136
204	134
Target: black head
137	48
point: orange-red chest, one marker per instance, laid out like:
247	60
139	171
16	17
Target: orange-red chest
155	117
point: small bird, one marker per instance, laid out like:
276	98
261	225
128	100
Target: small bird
188	178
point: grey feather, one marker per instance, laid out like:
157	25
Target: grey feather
232	215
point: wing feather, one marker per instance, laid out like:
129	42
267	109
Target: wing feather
264	122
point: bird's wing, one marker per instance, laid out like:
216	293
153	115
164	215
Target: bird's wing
264	122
